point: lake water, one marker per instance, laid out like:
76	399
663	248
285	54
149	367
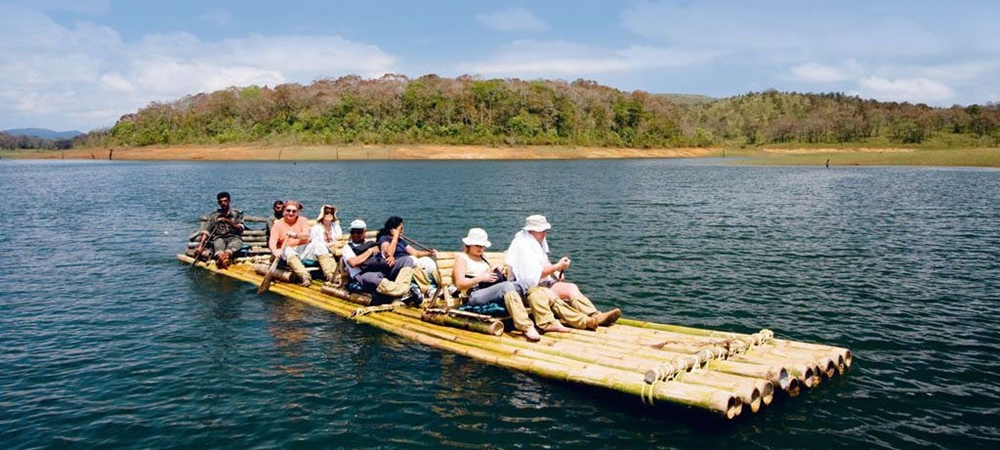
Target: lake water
109	342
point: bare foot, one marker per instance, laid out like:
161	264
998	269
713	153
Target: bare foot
532	335
555	327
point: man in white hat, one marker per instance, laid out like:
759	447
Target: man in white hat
528	257
366	266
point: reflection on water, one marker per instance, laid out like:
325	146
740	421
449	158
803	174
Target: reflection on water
109	342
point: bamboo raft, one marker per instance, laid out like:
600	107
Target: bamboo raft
723	374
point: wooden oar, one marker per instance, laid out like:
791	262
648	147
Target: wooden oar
266	282
415	243
201	246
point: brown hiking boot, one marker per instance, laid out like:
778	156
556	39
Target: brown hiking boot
609	318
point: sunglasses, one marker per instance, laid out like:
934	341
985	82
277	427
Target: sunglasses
291	210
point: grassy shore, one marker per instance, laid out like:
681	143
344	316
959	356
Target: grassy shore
958	157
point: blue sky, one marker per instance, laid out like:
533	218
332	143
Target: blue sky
81	64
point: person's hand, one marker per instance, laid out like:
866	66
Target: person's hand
276	253
433	253
292	235
488	277
391	260
395	232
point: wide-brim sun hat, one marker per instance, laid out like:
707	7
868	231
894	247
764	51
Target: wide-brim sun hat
358	224
322	212
477	236
536	222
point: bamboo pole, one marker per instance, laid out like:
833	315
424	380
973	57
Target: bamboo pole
565	369
750	390
493	327
844	354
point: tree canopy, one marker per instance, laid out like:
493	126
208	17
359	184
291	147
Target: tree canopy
472	111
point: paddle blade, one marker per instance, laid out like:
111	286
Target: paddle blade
266	282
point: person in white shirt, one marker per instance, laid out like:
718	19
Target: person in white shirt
529	260
327	229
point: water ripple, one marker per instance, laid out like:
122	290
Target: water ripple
108	342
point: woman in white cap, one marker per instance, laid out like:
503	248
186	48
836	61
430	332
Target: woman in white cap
483	284
528	257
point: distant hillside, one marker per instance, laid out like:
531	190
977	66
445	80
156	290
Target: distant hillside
43	133
688	99
396	110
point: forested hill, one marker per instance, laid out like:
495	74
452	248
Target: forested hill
468	110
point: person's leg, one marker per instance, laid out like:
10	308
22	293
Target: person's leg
327	265
540	302
573	297
515	305
294	262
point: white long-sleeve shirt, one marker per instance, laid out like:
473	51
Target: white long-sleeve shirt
527	258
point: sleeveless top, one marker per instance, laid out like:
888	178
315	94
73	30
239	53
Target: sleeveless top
474	268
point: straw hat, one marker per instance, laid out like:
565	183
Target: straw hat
322	211
536	222
477	236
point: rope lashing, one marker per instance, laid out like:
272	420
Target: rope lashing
721	350
373	309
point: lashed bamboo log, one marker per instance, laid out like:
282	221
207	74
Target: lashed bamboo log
344	294
279	274
751	391
776	374
556	366
491	326
845	355
246	218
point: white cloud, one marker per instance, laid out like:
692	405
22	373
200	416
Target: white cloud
914	90
516	19
825	73
560	58
116	83
818	73
85	76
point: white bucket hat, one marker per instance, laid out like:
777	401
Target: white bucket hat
358	224
536	222
477	236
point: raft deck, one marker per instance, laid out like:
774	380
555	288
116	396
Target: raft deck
723	374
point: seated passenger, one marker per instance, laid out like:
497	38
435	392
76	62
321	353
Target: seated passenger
394	246
529	260
327	229
483	285
222	231
290	241
376	275
277	212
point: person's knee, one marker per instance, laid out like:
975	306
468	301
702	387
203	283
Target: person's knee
507	288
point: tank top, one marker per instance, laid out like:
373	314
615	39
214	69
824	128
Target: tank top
474	268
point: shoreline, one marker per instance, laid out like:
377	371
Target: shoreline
800	156
361	153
